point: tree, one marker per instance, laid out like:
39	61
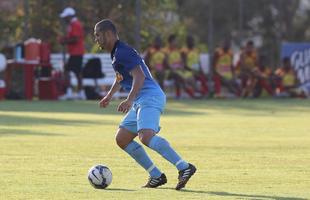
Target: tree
274	21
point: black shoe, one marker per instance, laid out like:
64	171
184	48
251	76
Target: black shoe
185	175
155	182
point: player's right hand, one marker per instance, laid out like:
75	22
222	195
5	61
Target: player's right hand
104	102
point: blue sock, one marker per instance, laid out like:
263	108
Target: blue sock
136	151
161	146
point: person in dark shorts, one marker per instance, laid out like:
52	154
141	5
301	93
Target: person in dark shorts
74	40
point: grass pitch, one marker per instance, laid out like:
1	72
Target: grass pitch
243	149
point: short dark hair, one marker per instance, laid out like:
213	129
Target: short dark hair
250	43
190	41
106	25
171	38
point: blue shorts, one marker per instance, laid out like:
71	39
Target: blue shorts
144	114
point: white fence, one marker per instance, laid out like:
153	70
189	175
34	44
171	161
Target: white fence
107	69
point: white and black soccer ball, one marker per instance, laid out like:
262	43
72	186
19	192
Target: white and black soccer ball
100	176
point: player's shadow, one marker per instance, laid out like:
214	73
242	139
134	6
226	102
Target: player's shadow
227	194
254	196
120	189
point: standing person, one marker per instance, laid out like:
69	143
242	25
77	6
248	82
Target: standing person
155	57
144	105
191	59
74	40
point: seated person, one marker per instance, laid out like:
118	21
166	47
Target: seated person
191	59
285	79
154	58
223	70
177	71
263	76
247	64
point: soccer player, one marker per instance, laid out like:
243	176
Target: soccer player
144	105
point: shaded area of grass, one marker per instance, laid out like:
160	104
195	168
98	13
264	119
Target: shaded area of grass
25	132
14	120
87	107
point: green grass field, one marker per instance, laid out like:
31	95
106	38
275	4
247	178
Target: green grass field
243	149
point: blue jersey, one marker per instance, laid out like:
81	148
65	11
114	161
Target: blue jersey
124	59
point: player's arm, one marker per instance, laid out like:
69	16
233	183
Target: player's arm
104	102
138	80
137	83
115	88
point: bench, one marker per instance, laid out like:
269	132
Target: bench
107	69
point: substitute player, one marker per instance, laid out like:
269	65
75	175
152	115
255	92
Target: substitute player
182	77
190	55
144	105
246	65
155	59
223	70
285	79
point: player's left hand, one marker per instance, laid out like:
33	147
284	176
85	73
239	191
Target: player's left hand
124	106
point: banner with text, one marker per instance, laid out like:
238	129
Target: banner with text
299	54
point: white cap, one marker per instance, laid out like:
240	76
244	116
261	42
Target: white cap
67	12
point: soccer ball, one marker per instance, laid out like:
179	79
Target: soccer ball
100	176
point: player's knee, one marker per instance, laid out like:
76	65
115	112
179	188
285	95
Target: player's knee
120	141
145	136
123	138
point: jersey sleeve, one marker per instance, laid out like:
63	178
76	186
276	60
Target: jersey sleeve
128	58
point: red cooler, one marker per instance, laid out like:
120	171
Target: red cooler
32	49
2	89
47	89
